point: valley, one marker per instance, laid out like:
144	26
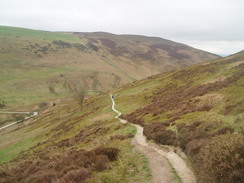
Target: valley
36	66
152	106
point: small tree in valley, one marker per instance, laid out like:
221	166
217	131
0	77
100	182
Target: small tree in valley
78	91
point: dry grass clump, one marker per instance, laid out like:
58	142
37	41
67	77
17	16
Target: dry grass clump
225	155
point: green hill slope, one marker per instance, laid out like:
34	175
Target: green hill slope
199	108
36	65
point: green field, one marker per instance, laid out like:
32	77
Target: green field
23	33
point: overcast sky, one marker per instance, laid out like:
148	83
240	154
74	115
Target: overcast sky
212	25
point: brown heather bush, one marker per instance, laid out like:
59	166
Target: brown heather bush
42	176
2	174
118	137
133	119
194	146
75	176
157	131
166	137
222	160
217	153
74	165
151	130
204	107
110	152
222	131
101	163
198	131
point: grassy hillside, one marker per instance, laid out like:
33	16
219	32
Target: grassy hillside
199	108
66	144
36	65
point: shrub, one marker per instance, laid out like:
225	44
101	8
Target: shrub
101	163
167	137
118	137
204	107
74	165
110	152
139	121
133	119
42	176
194	146
151	130
2	173
76	176
157	131
184	137
195	131
222	131
225	155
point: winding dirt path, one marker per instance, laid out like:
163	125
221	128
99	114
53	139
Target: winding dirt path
159	158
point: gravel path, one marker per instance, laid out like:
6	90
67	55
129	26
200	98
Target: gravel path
159	157
11	124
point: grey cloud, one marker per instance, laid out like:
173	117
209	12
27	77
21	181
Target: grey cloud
190	20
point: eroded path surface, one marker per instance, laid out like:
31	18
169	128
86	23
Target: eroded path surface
159	157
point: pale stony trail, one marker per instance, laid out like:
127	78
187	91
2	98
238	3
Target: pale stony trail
159	157
11	124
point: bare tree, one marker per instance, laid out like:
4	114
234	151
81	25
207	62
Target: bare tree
79	92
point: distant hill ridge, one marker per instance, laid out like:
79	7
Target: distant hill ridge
32	61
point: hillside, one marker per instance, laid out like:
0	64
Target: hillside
35	66
199	109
